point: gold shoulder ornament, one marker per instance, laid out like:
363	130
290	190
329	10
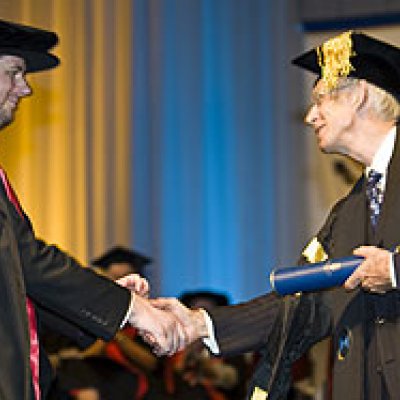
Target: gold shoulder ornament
314	252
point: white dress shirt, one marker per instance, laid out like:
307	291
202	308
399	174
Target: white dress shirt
380	163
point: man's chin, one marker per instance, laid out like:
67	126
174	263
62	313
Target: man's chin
5	120
322	146
327	149
324	149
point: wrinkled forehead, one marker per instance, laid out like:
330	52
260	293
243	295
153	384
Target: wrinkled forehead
13	61
321	87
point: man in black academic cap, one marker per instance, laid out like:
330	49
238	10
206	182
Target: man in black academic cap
355	109
120	261
39	281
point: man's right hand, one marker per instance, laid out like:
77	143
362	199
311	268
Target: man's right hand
160	328
193	321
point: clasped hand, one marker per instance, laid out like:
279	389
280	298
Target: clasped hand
373	274
166	324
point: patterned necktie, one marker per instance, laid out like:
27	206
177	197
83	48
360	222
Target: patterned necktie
33	334
374	196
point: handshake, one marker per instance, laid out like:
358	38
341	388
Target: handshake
164	323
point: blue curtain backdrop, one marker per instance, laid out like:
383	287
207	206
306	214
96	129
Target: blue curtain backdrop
214	160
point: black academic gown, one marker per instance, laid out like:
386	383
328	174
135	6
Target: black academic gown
88	304
369	324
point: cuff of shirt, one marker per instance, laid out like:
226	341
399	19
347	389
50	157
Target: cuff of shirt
393	271
130	309
210	341
395	268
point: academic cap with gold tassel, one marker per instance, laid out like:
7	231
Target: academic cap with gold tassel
357	55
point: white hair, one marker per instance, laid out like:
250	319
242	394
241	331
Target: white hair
383	104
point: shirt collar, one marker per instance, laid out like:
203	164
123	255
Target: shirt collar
382	157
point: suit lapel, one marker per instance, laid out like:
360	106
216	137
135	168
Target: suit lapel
351	224
389	219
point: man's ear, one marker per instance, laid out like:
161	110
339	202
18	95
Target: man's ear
359	96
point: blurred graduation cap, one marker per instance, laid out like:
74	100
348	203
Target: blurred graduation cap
31	44
357	55
119	254
189	298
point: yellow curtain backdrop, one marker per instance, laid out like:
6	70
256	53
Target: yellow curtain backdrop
68	151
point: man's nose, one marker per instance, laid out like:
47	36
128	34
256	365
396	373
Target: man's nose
312	115
23	88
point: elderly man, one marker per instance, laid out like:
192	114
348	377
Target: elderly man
354	111
39	280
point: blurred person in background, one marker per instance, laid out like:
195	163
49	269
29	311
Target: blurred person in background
208	377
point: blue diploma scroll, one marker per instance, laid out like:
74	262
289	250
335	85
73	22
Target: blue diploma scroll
314	277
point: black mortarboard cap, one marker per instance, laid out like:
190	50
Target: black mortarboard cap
120	254
219	299
31	44
371	59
